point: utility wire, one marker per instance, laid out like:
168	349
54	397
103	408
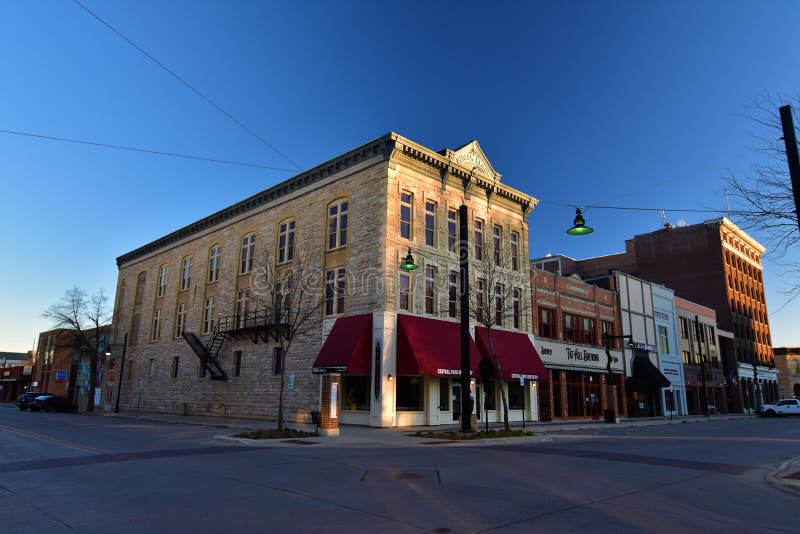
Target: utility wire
145	150
586	207
187	84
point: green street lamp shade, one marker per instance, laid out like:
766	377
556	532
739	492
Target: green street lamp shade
408	263
579	225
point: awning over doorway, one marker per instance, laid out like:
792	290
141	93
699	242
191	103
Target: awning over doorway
515	352
646	375
347	348
431	347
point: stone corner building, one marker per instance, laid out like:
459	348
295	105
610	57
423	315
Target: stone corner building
382	346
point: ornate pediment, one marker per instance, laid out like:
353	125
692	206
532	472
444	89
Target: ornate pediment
471	158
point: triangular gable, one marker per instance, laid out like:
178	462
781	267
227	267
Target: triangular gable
471	156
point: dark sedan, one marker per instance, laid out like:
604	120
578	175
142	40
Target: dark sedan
52	403
24	400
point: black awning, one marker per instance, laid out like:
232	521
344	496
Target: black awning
647	375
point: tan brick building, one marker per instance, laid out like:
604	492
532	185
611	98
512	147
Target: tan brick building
787	363
374	342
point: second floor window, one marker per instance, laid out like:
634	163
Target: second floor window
497	237
516	308
515	251
571	327
430	290
480	299
663	339
248	253
452	293
186	273
180	320
586	333
213	263
156	334
478	239
406	214
430	224
498	304
334	291
337	225
547	323
405	292
286	241
140	283
208	316
608	330
162	281
452	226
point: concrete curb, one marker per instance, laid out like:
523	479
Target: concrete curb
778	477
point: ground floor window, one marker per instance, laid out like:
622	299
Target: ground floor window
515	396
488	390
410	394
444	394
355	392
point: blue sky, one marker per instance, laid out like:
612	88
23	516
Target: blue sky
636	104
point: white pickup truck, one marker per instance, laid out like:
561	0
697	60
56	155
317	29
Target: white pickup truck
781	407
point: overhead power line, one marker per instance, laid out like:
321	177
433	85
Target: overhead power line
145	150
187	84
586	207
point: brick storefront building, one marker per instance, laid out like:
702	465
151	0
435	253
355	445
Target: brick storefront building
718	265
383	348
787	362
569	320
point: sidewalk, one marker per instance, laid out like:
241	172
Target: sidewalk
361	436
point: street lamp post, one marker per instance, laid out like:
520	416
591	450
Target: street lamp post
611	387
121	367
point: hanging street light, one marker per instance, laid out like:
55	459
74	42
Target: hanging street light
408	263
579	225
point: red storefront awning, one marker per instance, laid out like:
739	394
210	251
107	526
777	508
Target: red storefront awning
515	352
347	348
431	347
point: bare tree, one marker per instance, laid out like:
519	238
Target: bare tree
763	199
290	296
85	317
496	299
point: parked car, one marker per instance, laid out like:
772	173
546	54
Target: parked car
24	400
781	407
52	403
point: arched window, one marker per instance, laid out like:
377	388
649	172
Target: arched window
162	281
248	253
286	241
140	287
337	224
214	257
186	273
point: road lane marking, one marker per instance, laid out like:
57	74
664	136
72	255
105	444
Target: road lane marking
54	441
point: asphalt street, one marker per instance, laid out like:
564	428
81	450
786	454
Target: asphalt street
80	473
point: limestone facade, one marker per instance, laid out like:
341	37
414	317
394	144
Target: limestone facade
379	182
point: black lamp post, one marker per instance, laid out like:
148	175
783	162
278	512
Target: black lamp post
611	387
408	265
121	367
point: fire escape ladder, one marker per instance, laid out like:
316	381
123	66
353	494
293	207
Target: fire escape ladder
208	354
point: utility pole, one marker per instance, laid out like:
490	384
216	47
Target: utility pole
791	155
463	270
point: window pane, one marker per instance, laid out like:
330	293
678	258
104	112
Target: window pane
410	393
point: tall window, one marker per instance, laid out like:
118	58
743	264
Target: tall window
140	288
452	226
242	307
334	291
498	304
277	361
430	290
213	263
480	299
663	339
452	293
162	281
175	363
337	225
571	327
516	307
430	223
156	332
180	320
286	241
405	291
586	334
248	253
515	251
684	327
497	236
608	330
208	316
478	239
406	214
186	273
547	323
237	363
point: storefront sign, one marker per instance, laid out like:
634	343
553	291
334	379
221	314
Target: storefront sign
450	372
579	357
377	368
642	346
61	376
661	315
334	398
522	378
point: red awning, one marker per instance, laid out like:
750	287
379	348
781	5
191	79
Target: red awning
515	352
431	347
347	348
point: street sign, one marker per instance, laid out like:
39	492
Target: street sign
522	381
61	376
290	384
